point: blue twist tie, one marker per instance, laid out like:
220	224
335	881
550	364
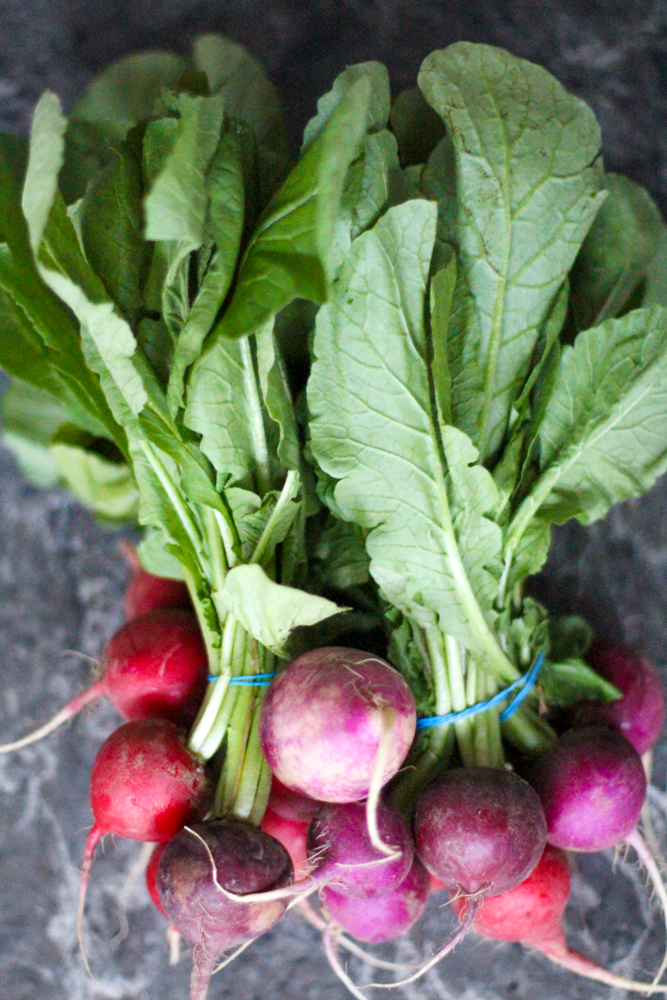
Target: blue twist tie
526	683
247	680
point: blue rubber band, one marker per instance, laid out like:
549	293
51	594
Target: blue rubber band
526	683
247	680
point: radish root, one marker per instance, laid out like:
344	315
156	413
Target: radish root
64	715
309	913
94	838
331	939
388	720
173	936
133	875
636	841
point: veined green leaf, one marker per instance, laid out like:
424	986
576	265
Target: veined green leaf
269	611
615	255
289	255
156	558
377	111
528	187
568	681
29	419
412	484
340	556
603	438
224	185
112	230
249	96
126	92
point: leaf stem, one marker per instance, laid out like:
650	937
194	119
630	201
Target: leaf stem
288	492
457	687
257	429
172	491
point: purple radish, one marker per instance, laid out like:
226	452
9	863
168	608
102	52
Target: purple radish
592	787
380	918
198	871
639	714
343	858
337	724
479	830
154	667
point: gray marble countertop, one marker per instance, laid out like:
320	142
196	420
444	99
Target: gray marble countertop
61	578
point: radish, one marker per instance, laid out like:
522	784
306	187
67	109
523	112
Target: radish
380	918
531	913
173	935
145	784
640	714
291	805
337	724
292	836
145	592
343	857
201	868
479	830
154	667
592	787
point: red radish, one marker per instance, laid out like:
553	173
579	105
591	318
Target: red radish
435	885
336	722
145	592
199	869
292	836
343	857
640	714
532	912
144	785
154	667
151	878
289	804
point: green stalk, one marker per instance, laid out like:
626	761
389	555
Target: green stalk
496	755
244	800
457	687
215	693
528	731
262	794
288	493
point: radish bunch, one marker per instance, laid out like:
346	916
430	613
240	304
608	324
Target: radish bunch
481	361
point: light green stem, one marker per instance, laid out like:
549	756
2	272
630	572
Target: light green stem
288	492
528	731
216	691
246	793
457	687
262	794
260	446
170	488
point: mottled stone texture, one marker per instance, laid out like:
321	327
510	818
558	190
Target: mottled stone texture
61	578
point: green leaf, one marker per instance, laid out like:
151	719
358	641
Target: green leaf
655	291
417	127
340	556
249	96
603	438
156	558
569	637
411	483
47	151
224	186
528	188
571	680
269	611
377	110
112	230
30	417
615	255
105	487
87	152
289	255
126	92
408	654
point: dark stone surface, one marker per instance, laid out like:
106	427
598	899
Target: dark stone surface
61	578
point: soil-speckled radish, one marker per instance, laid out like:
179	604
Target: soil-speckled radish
639	714
532	913
145	784
342	855
328	717
154	667
196	870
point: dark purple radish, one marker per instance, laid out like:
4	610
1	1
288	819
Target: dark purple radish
374	919
592	787
343	858
145	784
479	830
337	724
639	714
154	667
198	870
